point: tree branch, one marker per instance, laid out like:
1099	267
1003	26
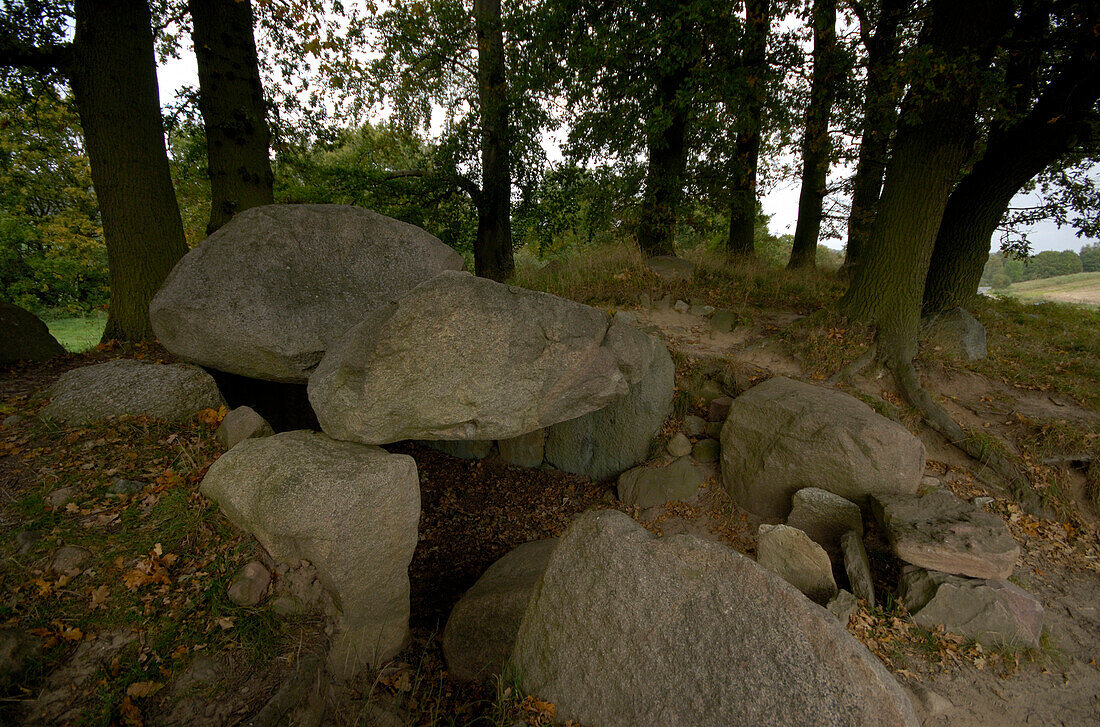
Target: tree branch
465	183
54	57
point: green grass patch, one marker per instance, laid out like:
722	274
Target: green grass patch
78	334
1077	289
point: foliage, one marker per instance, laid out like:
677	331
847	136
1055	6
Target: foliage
52	254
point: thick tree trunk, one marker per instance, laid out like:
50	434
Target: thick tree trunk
880	117
934	139
742	232
231	100
664	186
815	142
114	81
493	247
1060	121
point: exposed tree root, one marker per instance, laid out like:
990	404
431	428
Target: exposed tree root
860	363
294	691
1018	484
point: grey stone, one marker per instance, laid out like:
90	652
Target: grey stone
694	426
123	486
989	611
791	554
679	445
956	331
249	585
12	420
649	486
723	321
61	496
461	358
783	435
26	337
70	559
942	532
463	449
858	566
240	424
350	510
843	605
269	292
714	429
824	517
706	450
718	409
671	268
526	450
25	540
481	629
708	391
702	310
681	307
603	444
136	388
625	629
929	483
982	501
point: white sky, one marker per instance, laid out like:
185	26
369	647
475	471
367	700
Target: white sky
781	203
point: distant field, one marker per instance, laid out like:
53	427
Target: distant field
1077	289
78	334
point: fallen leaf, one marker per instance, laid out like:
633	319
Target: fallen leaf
143	689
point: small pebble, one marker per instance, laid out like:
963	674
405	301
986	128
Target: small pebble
61	497
69	559
679	445
694	426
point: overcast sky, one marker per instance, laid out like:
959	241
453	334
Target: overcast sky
781	203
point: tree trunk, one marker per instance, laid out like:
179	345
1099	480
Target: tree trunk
114	81
815	142
231	100
743	205
934	139
880	117
493	246
1060	121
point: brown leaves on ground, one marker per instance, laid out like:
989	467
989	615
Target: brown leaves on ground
150	570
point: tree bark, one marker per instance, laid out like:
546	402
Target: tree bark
880	118
742	233
934	138
1062	119
815	142
114	80
231	101
493	246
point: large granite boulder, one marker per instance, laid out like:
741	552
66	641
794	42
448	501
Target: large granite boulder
942	532
784	435
350	510
26	338
462	358
604	443
628	629
993	612
481	629
138	388
270	291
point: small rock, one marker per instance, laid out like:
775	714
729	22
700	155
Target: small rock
824	517
250	584
70	559
286	606
61	496
982	501
123	486
25	540
12	420
714	429
843	605
929	483
679	445
941	532
957	331
858	566
526	450
706	450
681	307
649	486
663	303
240	424
723	321
718	409
671	268
708	391
791	554
694	426
702	310
989	611
931	703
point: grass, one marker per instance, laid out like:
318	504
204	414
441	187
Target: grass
78	334
1077	289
